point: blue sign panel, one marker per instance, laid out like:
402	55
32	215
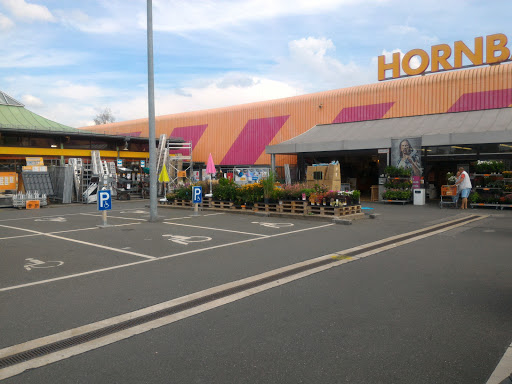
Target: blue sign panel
119	162
143	163
104	200
197	195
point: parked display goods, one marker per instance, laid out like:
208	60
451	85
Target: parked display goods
492	185
269	196
398	185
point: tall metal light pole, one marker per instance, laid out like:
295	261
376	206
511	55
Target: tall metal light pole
151	108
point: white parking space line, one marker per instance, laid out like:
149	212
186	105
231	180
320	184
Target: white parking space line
66	214
153	259
223	300
242	241
20	236
81	242
90	228
113	217
503	368
217	229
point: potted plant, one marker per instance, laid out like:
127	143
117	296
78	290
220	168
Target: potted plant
268	186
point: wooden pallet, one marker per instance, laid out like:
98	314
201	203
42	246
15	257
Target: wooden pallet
324	210
271	207
350	210
221	204
296	207
182	203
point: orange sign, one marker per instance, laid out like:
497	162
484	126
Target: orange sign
182	173
496	51
8	180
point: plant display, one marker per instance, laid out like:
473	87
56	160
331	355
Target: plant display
228	190
474	198
451	178
249	194
489	166
397	195
507	199
398	184
292	192
268	185
225	190
391	171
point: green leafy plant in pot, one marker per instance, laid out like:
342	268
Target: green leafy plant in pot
268	186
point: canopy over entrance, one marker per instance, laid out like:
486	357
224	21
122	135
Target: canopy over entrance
473	127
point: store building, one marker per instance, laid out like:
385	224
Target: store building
26	134
453	118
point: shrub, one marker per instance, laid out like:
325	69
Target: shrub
225	190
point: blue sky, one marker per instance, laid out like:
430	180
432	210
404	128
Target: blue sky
68	60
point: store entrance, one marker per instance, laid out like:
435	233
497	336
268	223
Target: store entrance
359	168
437	168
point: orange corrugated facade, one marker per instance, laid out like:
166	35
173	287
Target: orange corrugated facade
238	135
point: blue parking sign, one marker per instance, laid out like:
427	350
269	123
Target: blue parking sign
197	195
104	200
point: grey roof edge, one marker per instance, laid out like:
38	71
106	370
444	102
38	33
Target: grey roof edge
500	116
81	134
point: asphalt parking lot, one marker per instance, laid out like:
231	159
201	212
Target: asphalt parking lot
59	271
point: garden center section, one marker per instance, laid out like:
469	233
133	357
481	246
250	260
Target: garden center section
452	118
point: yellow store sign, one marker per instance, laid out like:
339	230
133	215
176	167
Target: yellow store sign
495	52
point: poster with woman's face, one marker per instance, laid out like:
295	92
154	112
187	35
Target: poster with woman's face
406	153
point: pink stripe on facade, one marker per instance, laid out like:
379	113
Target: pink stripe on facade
475	101
190	134
363	112
251	142
132	134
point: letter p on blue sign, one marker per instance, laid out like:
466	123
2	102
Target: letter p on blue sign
104	200
197	195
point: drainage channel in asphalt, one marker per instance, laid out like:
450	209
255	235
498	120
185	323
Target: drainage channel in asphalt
36	353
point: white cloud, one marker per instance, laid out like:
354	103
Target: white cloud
184	15
310	64
28	12
77	92
5	23
402	29
217	94
80	20
31	101
32	57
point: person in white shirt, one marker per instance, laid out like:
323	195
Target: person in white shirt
464	186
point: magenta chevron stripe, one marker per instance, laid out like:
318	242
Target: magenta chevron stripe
363	112
251	142
475	101
191	133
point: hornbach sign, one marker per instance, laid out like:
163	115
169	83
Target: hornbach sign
496	51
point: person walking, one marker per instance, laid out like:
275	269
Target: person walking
464	186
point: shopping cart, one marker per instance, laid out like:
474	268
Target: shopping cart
448	192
